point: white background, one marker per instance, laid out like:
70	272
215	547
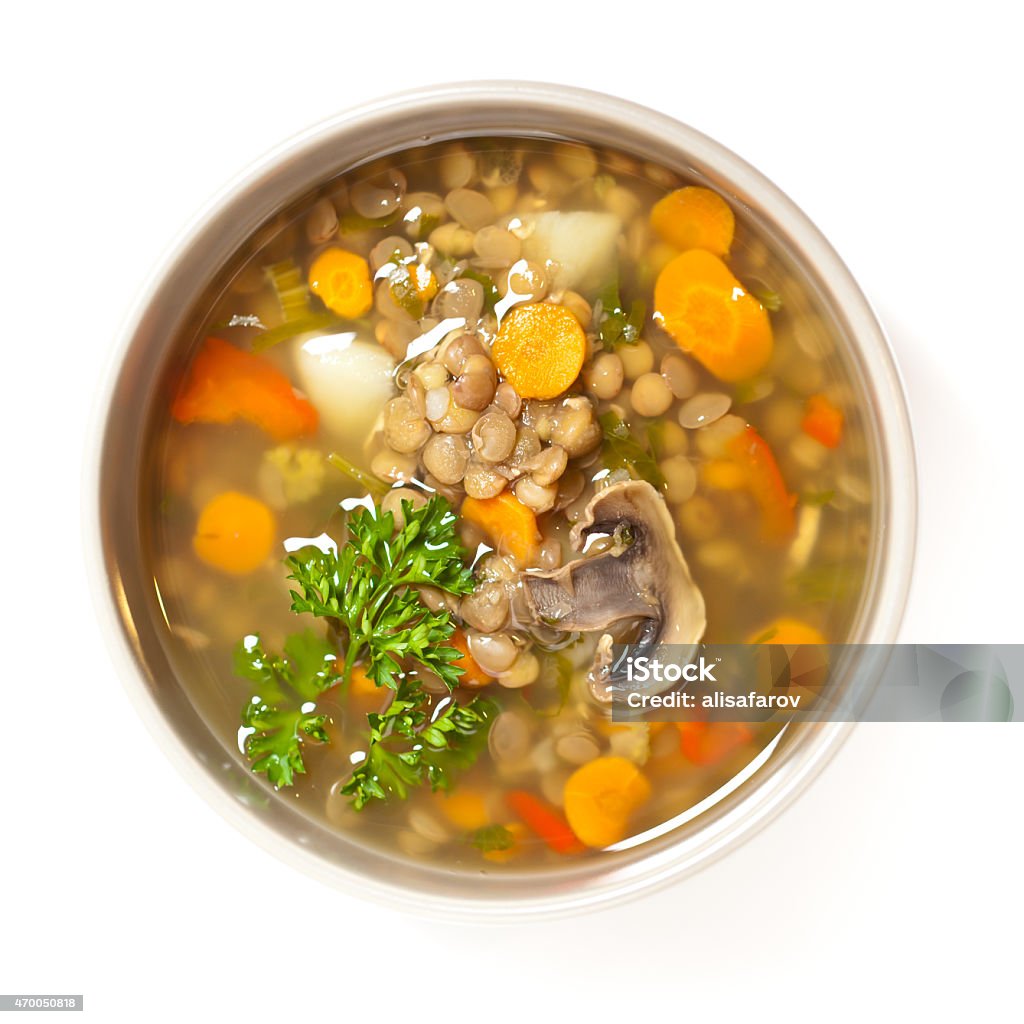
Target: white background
891	887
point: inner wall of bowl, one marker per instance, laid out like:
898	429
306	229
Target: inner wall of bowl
148	377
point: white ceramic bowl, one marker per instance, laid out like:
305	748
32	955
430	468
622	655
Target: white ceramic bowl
150	349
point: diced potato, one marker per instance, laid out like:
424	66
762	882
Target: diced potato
348	379
581	243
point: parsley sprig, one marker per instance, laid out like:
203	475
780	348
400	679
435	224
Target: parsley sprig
368	589
436	751
282	711
368	592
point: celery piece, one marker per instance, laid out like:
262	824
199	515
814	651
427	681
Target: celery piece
360	476
292	328
350	222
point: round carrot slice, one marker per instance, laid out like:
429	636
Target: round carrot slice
540	349
694	218
709	314
342	280
234	533
601	796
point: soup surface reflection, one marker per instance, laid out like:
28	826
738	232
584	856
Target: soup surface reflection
453	425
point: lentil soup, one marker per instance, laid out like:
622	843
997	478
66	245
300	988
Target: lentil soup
453	425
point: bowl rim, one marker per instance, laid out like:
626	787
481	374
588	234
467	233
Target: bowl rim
816	256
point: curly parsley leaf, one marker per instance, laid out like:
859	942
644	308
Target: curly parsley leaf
368	591
406	750
281	715
368	588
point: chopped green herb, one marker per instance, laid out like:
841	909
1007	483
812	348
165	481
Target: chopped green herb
404	291
622	450
491	838
656	438
428	222
617	326
281	715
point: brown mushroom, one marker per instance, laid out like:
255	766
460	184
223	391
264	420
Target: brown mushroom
640	576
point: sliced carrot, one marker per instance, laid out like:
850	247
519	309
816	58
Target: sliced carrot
707	743
473	676
723	475
342	281
360	684
694	218
464	808
791	632
540	349
764	481
600	798
823	421
234	534
709	314
225	384
508	523
806	656
544	820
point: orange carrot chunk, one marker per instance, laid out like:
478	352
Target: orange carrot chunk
694	218
225	384
823	421
473	676
540	349
234	534
508	523
601	796
791	632
544	821
764	481
466	809
342	281
708	313
707	743
359	683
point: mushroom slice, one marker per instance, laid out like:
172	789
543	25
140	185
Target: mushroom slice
641	575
